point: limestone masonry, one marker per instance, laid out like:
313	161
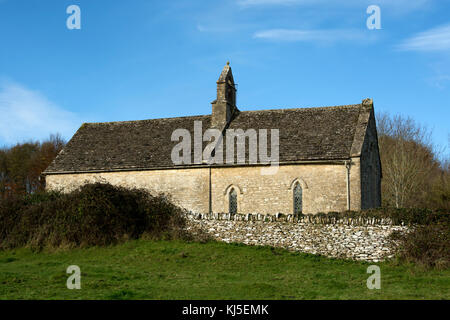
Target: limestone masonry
357	239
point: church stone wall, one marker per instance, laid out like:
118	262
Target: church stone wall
324	186
187	187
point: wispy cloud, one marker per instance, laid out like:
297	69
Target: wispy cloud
409	3
217	28
437	39
322	36
397	5
251	3
27	114
440	81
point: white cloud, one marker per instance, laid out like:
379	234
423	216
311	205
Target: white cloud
28	115
390	3
437	39
324	36
249	3
399	6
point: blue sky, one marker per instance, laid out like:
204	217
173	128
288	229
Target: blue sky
143	59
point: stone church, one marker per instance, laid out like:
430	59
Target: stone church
328	159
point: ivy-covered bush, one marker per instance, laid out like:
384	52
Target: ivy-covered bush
95	214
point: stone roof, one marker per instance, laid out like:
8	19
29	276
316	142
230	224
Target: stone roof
325	133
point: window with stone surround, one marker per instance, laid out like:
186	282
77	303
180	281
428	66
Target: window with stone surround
232	201
297	198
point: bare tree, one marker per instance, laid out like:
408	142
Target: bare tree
408	160
440	193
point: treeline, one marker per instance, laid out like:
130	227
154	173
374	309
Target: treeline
22	165
415	174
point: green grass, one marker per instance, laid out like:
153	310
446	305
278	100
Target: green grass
179	270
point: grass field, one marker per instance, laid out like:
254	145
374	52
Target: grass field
179	270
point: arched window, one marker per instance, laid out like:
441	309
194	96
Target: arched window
232	200
297	195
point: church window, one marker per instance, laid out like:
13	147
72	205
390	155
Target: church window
232	198
298	199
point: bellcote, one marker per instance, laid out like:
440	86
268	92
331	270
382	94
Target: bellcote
224	106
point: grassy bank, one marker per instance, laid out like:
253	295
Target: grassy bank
142	269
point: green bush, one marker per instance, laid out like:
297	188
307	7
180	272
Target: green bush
95	214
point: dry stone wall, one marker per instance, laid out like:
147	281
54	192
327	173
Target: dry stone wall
365	239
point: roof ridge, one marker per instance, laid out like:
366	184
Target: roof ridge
208	115
307	108
143	120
